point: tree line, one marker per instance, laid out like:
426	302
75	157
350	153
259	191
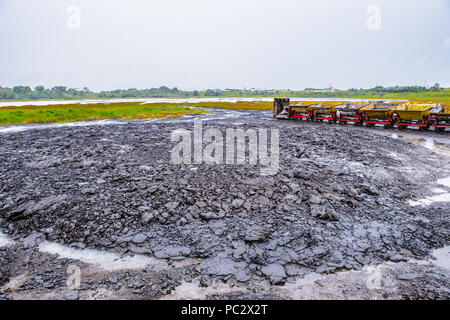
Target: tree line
64	93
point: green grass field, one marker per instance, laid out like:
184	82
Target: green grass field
78	112
119	110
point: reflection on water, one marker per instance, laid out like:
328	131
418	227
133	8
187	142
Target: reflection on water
194	291
444	182
440	195
106	260
442	257
19	128
437	147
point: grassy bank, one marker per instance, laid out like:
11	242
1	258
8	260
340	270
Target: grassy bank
119	110
240	105
78	112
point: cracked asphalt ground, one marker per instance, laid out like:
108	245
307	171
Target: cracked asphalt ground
334	222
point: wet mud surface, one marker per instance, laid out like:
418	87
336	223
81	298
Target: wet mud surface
341	203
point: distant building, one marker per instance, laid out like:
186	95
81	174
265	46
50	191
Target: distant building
321	89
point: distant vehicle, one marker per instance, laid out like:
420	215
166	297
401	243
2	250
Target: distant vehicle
389	114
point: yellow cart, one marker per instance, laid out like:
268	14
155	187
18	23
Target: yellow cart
378	112
413	114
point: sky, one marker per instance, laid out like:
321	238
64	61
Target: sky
200	44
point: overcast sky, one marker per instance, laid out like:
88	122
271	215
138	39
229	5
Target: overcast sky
199	44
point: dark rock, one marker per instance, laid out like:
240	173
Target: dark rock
256	234
275	272
407	276
140	238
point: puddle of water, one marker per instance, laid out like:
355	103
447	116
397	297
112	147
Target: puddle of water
19	128
444	182
142	100
372	277
5	240
106	260
165	100
429	144
53	102
303	288
440	195
193	291
438	190
216	115
442	257
443	197
440	148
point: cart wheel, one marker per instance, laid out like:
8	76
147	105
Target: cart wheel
439	129
402	127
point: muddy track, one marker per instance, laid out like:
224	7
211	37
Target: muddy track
339	201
